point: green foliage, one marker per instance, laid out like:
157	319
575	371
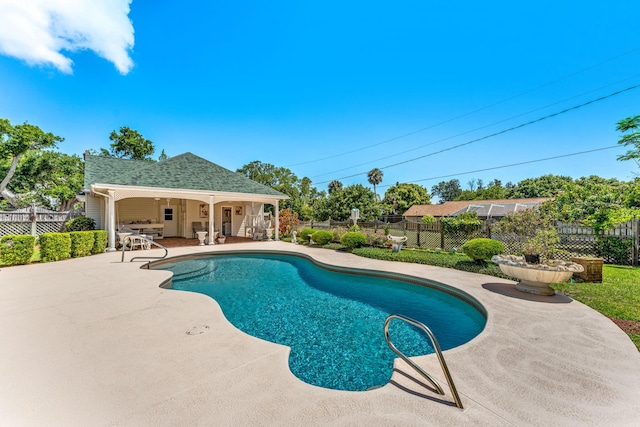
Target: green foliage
338	233
607	219
81	223
100	241
353	239
467	222
482	249
15	142
428	219
400	197
544	243
632	138
387	229
322	237
543	186
447	190
305	233
81	243
55	246
441	259
339	203
16	249
128	143
614	249
375	177
523	223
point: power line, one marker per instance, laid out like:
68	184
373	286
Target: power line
476	129
566	110
471	112
508	166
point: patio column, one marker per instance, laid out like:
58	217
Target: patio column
277	233
111	220
211	221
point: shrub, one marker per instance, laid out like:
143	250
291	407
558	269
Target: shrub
467	222
55	246
288	220
81	243
544	243
482	249
614	249
322	237
82	223
305	233
387	229
428	219
338	233
100	240
16	249
353	239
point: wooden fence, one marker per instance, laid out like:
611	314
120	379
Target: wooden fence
34	221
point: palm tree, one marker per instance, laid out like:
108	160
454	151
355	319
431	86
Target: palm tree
375	178
334	185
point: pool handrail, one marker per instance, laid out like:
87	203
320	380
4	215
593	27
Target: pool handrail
437	349
147	241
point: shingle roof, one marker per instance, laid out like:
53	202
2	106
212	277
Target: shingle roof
448	208
185	171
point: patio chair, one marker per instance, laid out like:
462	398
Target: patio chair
196	226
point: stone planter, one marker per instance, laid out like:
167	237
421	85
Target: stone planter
396	242
535	278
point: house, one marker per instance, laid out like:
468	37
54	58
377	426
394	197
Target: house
164	198
484	208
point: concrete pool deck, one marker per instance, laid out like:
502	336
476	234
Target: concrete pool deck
96	342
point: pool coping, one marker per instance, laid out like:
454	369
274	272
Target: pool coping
93	341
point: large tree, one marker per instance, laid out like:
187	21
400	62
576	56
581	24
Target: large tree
375	177
15	142
447	190
632	126
339	203
128	143
400	197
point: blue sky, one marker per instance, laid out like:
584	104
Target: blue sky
333	89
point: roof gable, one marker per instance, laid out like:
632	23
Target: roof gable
185	171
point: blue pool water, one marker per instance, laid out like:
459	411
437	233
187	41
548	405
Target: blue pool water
332	321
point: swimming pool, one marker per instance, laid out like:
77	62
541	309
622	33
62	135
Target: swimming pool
332	320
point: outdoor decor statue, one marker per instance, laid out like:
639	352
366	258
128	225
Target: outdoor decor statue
396	242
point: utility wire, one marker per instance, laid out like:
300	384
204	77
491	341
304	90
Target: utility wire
508	166
471	112
566	110
475	129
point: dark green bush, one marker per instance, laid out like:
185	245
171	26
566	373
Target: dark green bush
353	239
55	246
100	240
482	249
614	249
82	223
81	243
16	249
322	237
305	233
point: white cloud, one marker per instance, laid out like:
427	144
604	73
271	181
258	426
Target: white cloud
42	32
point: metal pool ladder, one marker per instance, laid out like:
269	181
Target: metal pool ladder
421	371
148	242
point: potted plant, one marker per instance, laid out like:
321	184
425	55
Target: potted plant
544	245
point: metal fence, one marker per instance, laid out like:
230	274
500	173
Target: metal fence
34	221
575	239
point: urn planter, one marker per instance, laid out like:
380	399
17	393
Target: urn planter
535	278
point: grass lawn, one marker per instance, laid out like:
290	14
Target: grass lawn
617	297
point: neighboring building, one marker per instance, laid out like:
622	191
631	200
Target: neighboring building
170	195
484	208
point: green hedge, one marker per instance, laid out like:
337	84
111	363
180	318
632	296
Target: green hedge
482	249
322	237
81	243
16	249
55	246
305	233
82	223
353	239
100	241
